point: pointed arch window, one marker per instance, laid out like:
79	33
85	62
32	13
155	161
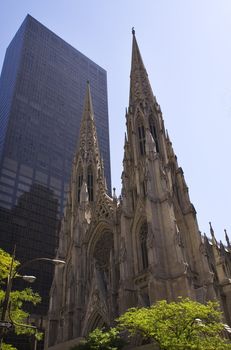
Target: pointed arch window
90	184
102	252
141	137
153	132
143	245
80	182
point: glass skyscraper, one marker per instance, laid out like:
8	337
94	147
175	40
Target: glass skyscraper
42	89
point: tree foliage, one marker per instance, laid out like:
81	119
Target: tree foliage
101	340
8	347
181	325
185	325
17	299
5	261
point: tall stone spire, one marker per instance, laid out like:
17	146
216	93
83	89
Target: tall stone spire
154	183
140	87
88	142
87	173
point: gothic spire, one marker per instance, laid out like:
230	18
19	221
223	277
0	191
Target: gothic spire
140	88
88	142
89	166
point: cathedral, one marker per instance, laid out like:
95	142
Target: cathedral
141	247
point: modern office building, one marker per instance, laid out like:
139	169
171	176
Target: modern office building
42	88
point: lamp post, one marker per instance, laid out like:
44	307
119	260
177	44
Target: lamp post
12	274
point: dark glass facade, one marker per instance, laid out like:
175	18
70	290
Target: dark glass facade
42	89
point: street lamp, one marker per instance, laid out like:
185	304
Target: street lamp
12	274
29	279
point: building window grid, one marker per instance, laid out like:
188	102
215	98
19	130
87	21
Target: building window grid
6	189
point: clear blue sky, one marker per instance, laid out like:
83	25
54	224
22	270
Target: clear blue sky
186	48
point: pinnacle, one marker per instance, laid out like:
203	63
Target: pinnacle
227	239
88	101
212	234
88	142
140	87
88	154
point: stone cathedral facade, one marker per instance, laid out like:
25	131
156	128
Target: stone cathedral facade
140	248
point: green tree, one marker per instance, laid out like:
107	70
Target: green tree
101	340
182	325
8	347
17	299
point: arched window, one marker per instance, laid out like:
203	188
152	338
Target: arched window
143	245
96	321
80	182
90	184
102	251
141	136
153	132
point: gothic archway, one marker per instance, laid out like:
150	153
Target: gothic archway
96	320
102	250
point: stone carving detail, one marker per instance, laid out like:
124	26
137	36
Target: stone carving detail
211	277
164	181
186	268
88	144
177	237
102	211
141	86
104	208
95	298
102	251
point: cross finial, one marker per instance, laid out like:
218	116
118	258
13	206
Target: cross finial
133	31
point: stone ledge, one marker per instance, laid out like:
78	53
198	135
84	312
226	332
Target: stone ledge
65	345
68	344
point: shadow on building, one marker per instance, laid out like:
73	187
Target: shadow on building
32	225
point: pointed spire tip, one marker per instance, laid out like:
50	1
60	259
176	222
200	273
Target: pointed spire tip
227	238
133	31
